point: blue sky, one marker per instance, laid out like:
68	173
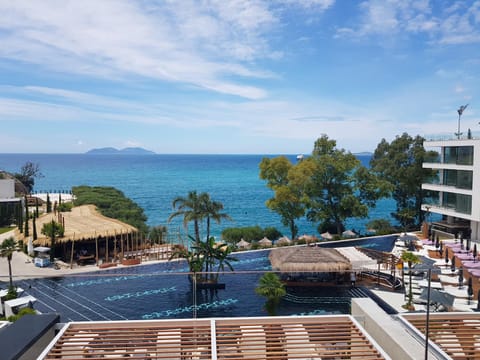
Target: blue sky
221	76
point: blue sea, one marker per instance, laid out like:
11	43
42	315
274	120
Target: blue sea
153	181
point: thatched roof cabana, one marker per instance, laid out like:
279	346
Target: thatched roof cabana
83	223
308	259
242	244
265	242
283	241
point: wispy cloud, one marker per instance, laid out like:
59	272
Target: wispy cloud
211	44
443	22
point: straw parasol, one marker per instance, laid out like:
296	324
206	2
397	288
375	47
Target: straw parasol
348	234
284	241
242	244
308	259
326	236
308	238
265	242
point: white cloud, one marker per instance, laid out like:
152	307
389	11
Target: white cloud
456	23
171	41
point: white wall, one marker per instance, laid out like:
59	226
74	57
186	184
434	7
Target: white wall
7	188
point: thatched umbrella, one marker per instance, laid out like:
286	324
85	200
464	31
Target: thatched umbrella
326	236
308	238
308	259
242	244
265	242
348	234
283	241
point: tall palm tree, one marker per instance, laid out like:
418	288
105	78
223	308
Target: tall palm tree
212	211
273	289
192	209
410	258
7	248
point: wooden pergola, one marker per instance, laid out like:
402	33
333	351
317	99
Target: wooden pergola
457	334
85	225
280	338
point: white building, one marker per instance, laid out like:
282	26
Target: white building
456	189
7	188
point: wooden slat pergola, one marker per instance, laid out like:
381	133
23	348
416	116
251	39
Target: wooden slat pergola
316	337
457	334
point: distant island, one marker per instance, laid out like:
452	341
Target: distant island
126	151
364	153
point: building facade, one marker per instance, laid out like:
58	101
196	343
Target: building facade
455	191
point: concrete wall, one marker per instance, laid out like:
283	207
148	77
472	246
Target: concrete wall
7	188
388	332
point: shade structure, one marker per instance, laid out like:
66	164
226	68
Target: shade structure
438	297
308	238
426	264
284	241
308	259
408	237
83	223
242	244
348	234
326	236
265	242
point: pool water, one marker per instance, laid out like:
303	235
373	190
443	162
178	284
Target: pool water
163	290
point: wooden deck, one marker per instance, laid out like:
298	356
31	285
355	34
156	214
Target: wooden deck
457	334
325	337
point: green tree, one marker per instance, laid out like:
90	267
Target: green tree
340	187
27	217
191	209
288	183
52	230
34	230
7	248
157	234
212	211
49	204
411	259
28	172
270	287
213	253
400	163
381	226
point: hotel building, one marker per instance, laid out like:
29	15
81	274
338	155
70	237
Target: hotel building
455	191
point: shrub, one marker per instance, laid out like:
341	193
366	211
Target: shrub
65	207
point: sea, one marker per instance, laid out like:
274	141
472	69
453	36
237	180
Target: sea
153	181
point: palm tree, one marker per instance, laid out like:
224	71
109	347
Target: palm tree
192	209
212	209
273	289
7	248
411	259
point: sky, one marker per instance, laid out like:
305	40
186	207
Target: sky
234	77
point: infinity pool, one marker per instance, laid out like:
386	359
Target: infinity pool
163	290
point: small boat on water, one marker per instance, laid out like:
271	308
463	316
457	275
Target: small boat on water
300	157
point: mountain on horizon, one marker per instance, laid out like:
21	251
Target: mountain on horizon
125	151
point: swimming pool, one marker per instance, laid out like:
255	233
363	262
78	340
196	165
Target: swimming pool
163	290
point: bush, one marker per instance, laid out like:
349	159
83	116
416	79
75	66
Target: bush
381	226
249	233
21	313
112	203
65	207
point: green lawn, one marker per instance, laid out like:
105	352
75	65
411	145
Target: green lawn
5	229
